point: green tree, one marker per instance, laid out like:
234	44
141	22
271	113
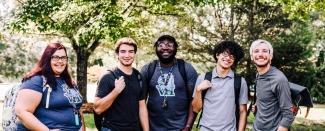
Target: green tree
209	22
86	23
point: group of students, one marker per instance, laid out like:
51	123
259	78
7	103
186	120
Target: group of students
165	95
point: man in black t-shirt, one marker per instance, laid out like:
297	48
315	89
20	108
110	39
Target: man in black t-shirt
119	96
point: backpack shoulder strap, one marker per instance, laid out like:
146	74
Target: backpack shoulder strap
139	77
113	72
151	70
182	71
207	76
181	67
237	86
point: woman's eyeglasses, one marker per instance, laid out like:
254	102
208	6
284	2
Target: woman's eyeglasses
57	58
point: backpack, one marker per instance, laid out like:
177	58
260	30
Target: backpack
9	117
300	96
98	118
237	86
181	66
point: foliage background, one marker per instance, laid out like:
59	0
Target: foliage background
89	28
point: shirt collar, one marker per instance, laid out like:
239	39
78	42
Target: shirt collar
216	75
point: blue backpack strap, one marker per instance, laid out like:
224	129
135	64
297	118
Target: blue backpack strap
237	86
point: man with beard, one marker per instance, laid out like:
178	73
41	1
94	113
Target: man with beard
120	97
225	93
170	83
273	101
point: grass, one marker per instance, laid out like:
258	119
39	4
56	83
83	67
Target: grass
300	124
89	120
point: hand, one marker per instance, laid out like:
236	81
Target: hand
281	128
204	85
119	84
186	129
254	108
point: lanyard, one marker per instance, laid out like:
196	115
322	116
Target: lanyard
165	80
164	103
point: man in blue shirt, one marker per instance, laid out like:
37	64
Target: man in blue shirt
169	94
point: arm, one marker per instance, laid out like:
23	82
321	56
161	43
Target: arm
83	126
197	100
102	104
242	117
143	114
190	119
26	103
284	97
243	100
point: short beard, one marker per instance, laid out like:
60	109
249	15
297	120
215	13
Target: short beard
264	65
166	60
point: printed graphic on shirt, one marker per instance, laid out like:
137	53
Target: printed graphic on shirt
72	94
166	88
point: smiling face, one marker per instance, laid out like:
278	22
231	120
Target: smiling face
261	55
166	51
225	60
126	54
59	62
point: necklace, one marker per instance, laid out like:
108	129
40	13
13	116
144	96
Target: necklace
164	103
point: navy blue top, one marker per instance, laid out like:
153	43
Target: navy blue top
170	87
60	114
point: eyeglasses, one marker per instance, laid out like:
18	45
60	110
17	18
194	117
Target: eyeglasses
225	54
162	44
57	58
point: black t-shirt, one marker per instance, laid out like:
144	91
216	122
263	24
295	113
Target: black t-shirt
124	112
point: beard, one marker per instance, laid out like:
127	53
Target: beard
263	65
168	60
126	63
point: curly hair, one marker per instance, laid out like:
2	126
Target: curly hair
230	47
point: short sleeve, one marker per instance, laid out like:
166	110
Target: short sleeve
143	72
198	81
243	95
105	85
34	83
191	75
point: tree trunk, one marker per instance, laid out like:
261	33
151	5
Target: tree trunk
82	62
252	36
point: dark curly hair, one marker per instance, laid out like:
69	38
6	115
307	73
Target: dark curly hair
230	47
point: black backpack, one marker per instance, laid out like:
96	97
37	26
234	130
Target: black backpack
237	85
300	96
181	66
98	118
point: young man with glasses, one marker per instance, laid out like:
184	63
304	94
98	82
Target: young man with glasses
219	102
273	98
170	84
120	94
